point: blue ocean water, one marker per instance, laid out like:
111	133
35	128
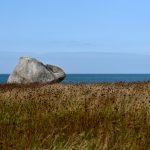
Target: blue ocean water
3	78
96	78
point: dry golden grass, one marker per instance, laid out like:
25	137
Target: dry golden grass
75	117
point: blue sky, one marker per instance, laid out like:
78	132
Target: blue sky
104	35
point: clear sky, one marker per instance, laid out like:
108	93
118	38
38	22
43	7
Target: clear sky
111	36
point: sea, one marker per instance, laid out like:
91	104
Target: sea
96	78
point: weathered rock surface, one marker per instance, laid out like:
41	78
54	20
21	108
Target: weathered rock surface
30	70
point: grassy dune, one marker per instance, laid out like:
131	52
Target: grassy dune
75	117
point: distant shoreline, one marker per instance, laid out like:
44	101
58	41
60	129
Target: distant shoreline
96	78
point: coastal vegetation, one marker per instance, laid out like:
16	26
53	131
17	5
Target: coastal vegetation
75	117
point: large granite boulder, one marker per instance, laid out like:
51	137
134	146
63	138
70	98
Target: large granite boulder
30	70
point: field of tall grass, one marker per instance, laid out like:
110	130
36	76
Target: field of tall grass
75	117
